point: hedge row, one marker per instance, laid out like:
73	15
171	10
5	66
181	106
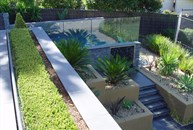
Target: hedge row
41	103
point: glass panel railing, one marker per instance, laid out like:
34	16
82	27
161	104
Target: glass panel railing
94	31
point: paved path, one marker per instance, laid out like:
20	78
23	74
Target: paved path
7	111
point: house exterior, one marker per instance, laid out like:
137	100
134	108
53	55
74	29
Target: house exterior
177	5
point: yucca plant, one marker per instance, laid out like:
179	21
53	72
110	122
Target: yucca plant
115	69
168	63
76	55
185	83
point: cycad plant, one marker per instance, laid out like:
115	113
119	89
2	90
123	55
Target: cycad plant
185	82
168	63
76	55
115	69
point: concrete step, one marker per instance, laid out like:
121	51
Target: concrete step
156	106
148	92
151	99
161	113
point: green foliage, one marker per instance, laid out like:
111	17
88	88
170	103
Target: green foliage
115	69
41	103
19	22
170	33
168	63
80	35
185	83
122	29
71	4
186	65
169	12
176	116
62	15
186	36
76	55
125	5
157	43
115	106
127	104
34	11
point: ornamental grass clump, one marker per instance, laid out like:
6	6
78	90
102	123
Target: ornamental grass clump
186	65
115	69
168	63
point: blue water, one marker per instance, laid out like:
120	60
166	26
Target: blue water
91	40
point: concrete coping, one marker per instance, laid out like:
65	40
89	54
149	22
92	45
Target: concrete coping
115	45
90	108
7	107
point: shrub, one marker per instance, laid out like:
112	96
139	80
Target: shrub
168	63
186	36
62	15
19	22
155	42
42	106
186	65
115	69
125	5
170	33
169	12
76	55
71	4
185	83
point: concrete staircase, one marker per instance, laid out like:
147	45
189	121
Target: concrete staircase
150	96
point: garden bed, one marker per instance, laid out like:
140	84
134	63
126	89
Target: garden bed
130	118
180	104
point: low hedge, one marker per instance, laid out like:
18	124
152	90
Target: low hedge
41	103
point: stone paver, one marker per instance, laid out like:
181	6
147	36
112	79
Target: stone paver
7	110
90	108
141	79
167	123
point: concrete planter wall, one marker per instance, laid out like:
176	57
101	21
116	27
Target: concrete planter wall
131	92
142	121
182	108
106	96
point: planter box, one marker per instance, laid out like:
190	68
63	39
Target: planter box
106	96
141	121
98	81
181	107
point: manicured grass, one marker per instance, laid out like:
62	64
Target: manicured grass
41	103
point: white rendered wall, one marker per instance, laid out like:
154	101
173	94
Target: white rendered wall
167	4
184	4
